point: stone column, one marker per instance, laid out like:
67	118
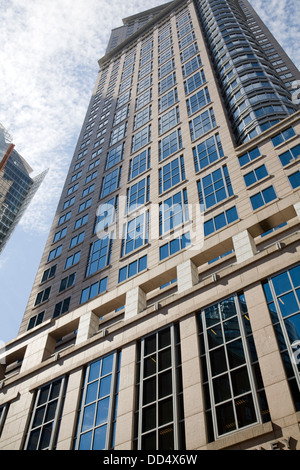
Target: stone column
88	326
244	246
136	301
193	400
187	275
126	400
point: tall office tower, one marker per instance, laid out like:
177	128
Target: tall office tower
17	188
165	312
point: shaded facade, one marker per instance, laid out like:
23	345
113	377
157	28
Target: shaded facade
165	311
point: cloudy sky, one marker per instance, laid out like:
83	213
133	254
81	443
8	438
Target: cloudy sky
49	52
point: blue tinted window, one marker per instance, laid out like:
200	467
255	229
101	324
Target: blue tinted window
294	179
283	136
263	197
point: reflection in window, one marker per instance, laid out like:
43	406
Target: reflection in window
234	394
98	409
282	292
159	410
46	413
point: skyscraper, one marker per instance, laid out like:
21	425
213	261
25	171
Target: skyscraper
165	311
17	188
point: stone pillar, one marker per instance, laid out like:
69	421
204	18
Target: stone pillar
193	400
70	410
244	246
187	275
126	400
88	326
136	301
272	370
37	350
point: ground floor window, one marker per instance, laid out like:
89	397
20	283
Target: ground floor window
98	408
233	388
159	402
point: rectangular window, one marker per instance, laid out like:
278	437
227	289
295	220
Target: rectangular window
143	99
290	156
190	37
111	182
146	58
144	84
168	120
59	235
233	400
114	156
159	413
141	138
139	164
76	240
173	246
283	136
184	29
168	100
214	187
49	273
123	99
133	268
106	214
136	234
73	259
202	124
194	82
118	133
82	221
99	256
189	52
191	66
173	212
220	221
145	70
249	156
167	54
93	290
121	115
64	218
207	152
198	101
282	295
54	253
138	194
61	307
166	83
166	68
88	191
256	175
46	414
166	43
142	117
170	144
42	296
68	203
98	409
171	174
33	322
294	179
85	205
67	282
263	197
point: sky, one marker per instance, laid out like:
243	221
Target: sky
48	56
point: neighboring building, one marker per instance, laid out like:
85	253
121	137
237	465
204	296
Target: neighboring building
166	311
17	188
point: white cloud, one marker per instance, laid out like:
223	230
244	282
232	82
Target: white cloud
49	52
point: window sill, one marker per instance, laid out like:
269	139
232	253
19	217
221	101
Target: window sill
287	142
